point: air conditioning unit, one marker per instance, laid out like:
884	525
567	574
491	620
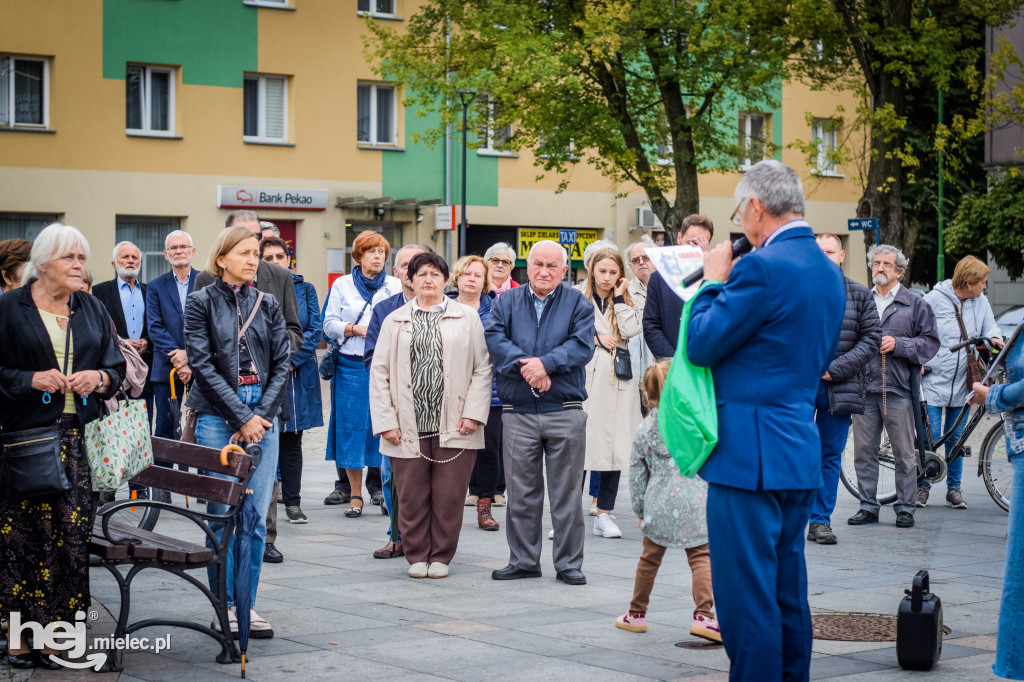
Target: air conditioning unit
644	219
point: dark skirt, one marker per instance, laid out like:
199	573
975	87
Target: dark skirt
44	555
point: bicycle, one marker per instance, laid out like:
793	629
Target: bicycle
993	465
143	517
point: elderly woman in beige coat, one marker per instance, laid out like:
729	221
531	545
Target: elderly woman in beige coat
430	396
613	403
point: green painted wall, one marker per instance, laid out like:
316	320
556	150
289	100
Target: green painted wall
419	170
213	41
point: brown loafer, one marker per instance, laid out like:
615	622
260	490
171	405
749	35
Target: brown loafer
483	515
389	551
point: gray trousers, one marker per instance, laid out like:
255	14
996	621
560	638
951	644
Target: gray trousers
867	437
532	442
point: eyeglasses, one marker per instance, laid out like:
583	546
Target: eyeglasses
736	218
501	261
182	247
878	265
271	257
639	259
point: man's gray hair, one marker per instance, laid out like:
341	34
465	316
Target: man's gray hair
501	247
426	249
594	247
177	233
55	241
888	249
120	245
645	241
548	242
267	225
776	185
241	213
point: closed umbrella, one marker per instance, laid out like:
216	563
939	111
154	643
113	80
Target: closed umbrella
245	527
175	408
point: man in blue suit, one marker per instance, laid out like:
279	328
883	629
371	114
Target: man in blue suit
768	329
165	307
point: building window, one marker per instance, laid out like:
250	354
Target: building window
24	225
266	109
824	133
377	7
24	92
753	139
147	233
149	100
376	116
492	137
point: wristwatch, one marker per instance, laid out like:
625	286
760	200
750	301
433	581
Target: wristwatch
99	387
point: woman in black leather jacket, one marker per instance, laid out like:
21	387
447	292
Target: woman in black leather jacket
239	381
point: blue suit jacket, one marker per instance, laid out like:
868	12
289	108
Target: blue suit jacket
768	334
166	321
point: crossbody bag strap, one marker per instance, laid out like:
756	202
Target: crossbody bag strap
960	321
359	318
252	315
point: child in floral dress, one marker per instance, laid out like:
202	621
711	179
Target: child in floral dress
670	510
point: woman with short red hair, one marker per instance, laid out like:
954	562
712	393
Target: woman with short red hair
350	441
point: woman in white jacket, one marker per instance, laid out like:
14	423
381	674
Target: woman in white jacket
430	394
613	403
945	385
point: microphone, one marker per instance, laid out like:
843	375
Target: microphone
739	247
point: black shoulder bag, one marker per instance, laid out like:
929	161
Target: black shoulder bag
330	359
31	465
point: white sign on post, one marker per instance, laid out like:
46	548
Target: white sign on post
444	218
676	262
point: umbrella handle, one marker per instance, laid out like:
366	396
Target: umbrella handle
174	396
230	447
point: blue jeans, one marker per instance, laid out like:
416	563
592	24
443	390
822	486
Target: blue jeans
385	477
212	431
1010	638
956	468
833	430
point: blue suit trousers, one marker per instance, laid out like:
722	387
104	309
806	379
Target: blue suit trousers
759	580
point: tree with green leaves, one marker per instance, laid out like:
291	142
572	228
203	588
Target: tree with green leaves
644	90
994	222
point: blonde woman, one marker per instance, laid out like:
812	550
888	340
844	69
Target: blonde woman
613	402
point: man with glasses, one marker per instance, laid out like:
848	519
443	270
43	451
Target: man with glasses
910	338
663	308
165	307
642	268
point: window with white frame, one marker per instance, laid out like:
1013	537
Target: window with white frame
753	139
377	7
492	137
24	92
663	149
376	114
824	133
148	233
266	109
149	100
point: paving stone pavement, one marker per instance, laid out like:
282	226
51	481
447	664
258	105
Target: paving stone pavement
339	613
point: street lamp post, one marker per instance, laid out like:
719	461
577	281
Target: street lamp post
466	97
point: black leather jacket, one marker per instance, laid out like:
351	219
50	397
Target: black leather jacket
211	341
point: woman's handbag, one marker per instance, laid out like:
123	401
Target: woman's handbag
623	365
31	464
118	445
976	367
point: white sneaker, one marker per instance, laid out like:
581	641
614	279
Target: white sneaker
551	534
437	570
418	570
604	525
593	508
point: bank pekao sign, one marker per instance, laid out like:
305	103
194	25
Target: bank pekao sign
229	196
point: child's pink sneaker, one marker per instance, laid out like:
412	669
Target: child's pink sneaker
632	622
706	628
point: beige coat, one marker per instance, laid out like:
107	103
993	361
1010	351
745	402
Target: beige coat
467	380
612	405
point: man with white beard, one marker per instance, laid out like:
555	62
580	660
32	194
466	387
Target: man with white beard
124	297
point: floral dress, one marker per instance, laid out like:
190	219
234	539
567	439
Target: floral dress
673	507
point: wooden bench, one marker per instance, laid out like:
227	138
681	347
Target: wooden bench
119	544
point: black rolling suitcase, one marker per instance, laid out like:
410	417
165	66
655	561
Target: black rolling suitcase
919	627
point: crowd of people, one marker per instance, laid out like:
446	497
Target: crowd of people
460	386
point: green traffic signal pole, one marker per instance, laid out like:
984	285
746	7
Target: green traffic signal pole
941	258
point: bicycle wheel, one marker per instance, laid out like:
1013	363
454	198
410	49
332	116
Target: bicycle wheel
140	517
996	469
886	491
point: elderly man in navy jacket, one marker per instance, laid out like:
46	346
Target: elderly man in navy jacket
768	329
541	338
